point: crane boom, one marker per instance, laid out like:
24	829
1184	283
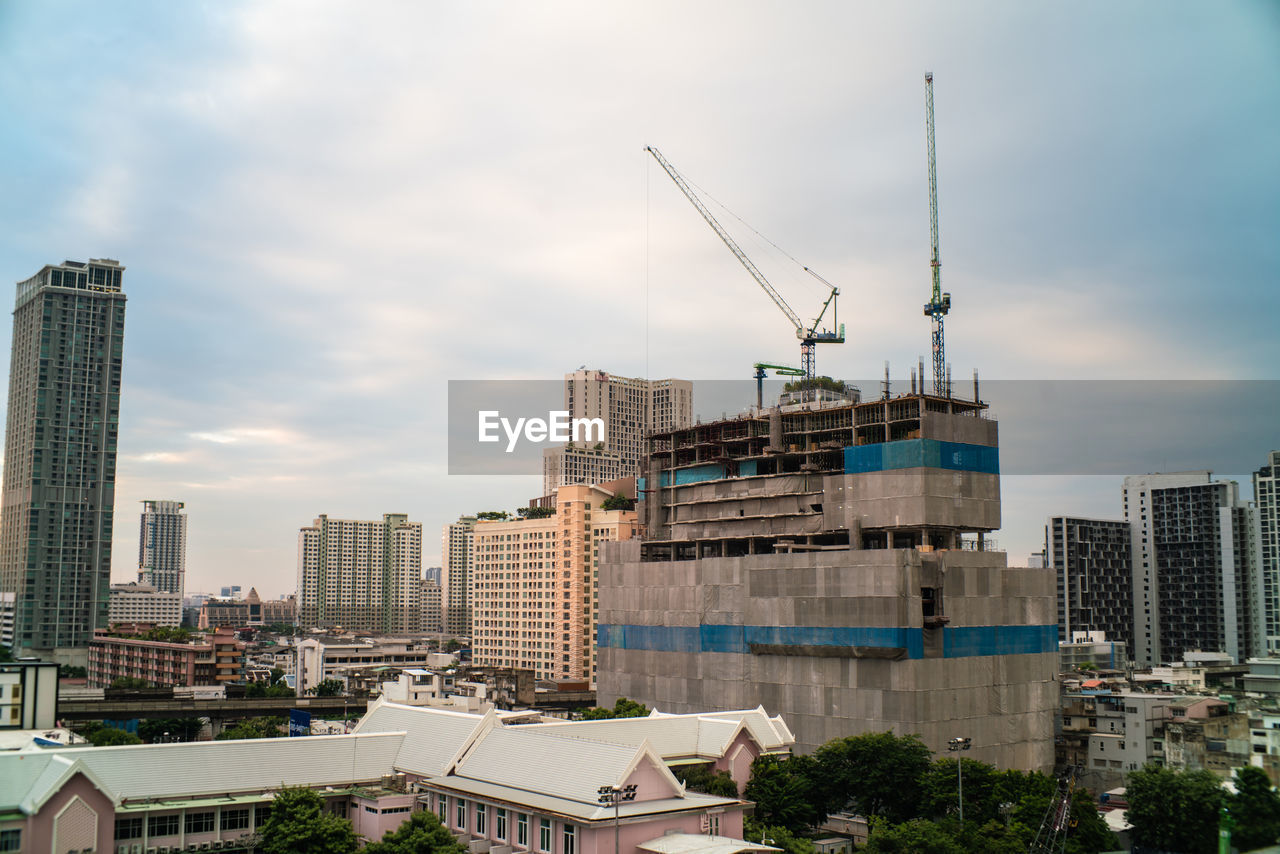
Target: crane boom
809	336
728	241
940	303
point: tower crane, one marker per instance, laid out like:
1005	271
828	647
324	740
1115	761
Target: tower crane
940	304
809	336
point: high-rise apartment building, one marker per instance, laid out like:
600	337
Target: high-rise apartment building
143	603
1267	555
432	606
629	409
1092	563
162	546
361	575
455	583
60	455
1195	584
536	585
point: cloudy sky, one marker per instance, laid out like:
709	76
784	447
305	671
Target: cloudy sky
328	211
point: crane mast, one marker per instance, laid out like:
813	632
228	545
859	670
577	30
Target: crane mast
809	336
940	304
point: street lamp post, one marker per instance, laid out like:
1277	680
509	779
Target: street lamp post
959	743
616	795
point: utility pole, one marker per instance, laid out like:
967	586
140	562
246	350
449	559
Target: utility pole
960	744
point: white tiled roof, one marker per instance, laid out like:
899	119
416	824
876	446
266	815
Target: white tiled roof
217	767
679	736
433	739
28	778
539	802
522	758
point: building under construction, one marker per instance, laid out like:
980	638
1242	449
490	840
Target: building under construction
830	561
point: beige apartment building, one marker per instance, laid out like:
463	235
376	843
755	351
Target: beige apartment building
535	583
361	574
630	408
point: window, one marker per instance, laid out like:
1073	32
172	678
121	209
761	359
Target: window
568	839
500	822
198	822
235	819
481	815
522	830
462	814
544	834
11	840
160	825
129	828
442	809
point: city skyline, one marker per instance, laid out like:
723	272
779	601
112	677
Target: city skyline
319	236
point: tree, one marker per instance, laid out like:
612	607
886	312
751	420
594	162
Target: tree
268	727
700	778
107	736
130	683
421	834
535	512
778	837
1255	807
493	515
299	824
177	729
618	502
329	688
264	689
1174	811
917	836
876	774
69	671
785	792
622	708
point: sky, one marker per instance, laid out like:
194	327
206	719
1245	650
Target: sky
328	211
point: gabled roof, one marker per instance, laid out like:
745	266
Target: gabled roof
435	738
28	779
704	736
143	771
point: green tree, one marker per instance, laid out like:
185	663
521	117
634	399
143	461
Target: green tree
700	778
875	774
130	683
299	824
535	512
181	729
618	502
107	736
785	792
493	515
1255	807
622	708
421	834
778	837
329	688
1174	811
916	836
267	727
66	671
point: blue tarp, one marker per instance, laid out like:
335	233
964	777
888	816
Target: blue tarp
915	453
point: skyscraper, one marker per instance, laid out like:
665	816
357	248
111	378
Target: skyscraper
455	581
361	575
1265	494
630	409
1194	581
162	546
60	455
1091	561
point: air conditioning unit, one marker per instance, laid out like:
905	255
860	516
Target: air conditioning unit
122	849
137	848
152	850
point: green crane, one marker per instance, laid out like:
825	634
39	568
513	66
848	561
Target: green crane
940	304
780	370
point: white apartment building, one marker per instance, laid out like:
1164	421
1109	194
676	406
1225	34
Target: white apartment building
361	574
143	603
536	586
630	408
162	546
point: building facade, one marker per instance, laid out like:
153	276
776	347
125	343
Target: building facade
628	409
1267	498
143	603
456	584
162	546
361	575
536	585
432	606
828	561
252	611
1092	563
214	659
1195	581
60	455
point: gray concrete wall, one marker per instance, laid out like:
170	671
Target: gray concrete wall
913	497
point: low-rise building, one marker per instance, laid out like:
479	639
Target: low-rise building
1204	733
249	611
318	659
136	602
127	651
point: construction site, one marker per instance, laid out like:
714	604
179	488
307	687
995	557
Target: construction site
828	557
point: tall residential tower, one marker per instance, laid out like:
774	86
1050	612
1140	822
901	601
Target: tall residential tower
60	455
162	546
1267	497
